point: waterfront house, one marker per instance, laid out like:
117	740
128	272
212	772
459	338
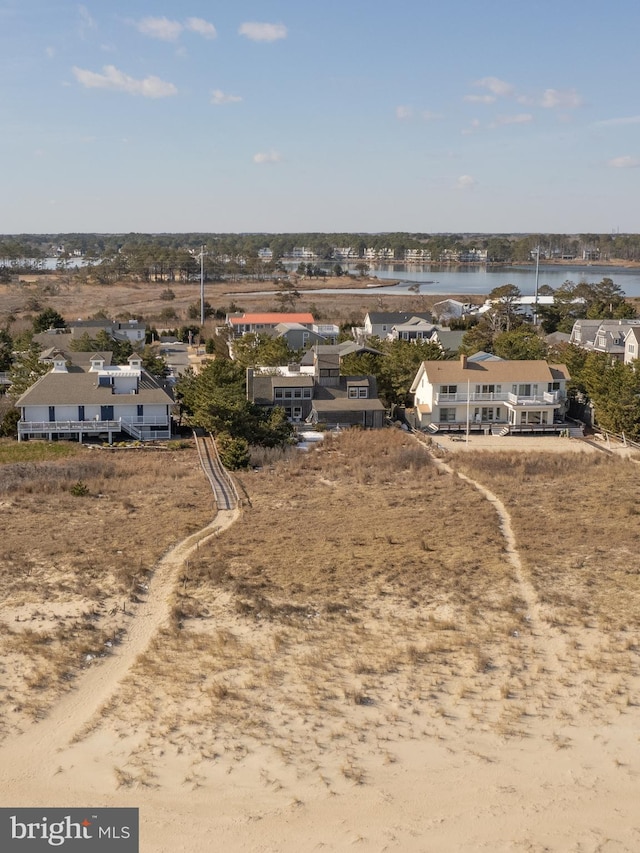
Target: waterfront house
79	401
513	396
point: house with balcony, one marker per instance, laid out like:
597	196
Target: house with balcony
99	399
490	396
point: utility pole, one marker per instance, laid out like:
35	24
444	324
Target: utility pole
535	300
202	286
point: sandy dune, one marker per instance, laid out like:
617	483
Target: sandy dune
556	778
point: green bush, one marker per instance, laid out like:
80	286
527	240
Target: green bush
79	489
234	452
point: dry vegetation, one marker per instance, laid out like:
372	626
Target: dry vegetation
576	523
365	597
81	534
130	299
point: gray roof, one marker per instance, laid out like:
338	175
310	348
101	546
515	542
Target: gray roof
391	318
80	359
80	388
348	404
263	386
337	396
342	349
450	339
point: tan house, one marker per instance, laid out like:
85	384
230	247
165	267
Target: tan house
490	395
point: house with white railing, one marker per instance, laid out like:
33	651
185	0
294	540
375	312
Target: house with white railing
76	402
490	395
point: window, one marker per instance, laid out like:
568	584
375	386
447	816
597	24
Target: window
522	390
533	418
297	413
297	393
553	386
306	393
632	348
488	389
353	392
279	393
448	389
363	392
447	415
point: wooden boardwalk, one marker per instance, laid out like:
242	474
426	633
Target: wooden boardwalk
222	485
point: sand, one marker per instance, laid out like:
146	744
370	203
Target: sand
557	776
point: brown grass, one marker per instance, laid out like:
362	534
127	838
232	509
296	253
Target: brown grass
73	567
365	597
131	299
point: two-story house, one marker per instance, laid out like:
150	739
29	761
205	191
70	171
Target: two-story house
520	396
605	336
79	401
380	323
317	393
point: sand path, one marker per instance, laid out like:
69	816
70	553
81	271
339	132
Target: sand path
23	758
548	642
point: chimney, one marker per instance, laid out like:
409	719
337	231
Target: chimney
463	361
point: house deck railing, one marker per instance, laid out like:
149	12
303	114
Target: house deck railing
488	427
547	398
138	427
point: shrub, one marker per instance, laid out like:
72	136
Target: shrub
79	489
234	452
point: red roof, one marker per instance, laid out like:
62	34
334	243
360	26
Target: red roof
271	319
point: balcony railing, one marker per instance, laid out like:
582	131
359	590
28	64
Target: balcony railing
547	398
154	426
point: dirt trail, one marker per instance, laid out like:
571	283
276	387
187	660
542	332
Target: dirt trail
548	643
22	759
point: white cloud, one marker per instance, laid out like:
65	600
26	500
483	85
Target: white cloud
495	86
615	122
404	112
519	118
86	22
112	78
466	182
267	157
624	162
566	99
474	125
50	52
480	99
218	97
160	28
202	27
263	32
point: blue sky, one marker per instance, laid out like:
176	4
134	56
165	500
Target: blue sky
356	115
